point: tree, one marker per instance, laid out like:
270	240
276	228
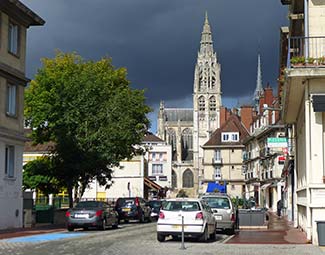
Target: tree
37	174
90	112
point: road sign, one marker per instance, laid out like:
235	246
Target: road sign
277	142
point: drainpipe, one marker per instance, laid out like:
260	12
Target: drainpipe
308	159
306	27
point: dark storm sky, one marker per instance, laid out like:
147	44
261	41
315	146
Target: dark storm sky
157	41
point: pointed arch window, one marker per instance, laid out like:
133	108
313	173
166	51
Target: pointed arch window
172	141
201	104
187	144
174	179
212	104
188	179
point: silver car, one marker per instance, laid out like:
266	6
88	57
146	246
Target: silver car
223	211
88	214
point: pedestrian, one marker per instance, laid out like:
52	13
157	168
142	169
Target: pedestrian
279	206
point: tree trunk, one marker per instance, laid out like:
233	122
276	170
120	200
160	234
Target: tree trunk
70	187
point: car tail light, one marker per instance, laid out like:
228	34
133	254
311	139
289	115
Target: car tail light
99	213
161	215
67	214
199	216
136	201
232	217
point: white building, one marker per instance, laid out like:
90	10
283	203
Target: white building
15	19
143	175
303	109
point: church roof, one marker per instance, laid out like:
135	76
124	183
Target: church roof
179	114
233	124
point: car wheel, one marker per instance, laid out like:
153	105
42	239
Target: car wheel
115	226
205	236
142	219
231	231
213	236
160	237
85	228
70	229
103	225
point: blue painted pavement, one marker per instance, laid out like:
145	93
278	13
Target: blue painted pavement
42	237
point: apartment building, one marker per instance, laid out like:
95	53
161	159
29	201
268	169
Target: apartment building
303	100
15	19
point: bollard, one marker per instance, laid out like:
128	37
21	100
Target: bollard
182	245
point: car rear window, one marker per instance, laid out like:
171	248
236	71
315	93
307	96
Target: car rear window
155	204
125	202
217	202
181	206
88	204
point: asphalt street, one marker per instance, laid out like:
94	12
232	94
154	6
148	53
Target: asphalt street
135	238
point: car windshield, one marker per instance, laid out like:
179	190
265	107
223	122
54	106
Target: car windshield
217	202
155	204
181	206
88	204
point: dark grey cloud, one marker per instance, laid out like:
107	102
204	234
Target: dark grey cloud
157	41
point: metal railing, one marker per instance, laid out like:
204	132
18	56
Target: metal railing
308	51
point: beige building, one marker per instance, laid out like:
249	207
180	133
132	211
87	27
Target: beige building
303	109
222	161
15	19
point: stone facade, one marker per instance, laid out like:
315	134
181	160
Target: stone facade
188	129
15	18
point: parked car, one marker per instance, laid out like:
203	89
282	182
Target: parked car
91	214
155	206
199	221
133	208
223	211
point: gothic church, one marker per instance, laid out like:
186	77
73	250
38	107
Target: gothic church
189	129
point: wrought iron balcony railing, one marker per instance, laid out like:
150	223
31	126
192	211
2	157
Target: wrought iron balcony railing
306	51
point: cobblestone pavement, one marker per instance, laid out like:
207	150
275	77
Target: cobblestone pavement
141	239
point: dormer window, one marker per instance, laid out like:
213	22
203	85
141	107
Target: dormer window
230	136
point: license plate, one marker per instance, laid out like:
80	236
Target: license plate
218	217
81	216
126	209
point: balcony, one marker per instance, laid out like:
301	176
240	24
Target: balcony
306	52
217	161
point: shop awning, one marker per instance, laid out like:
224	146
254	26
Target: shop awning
264	186
151	184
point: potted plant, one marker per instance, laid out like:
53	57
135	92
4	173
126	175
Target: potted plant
298	61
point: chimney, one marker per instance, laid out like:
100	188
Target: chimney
246	115
223	115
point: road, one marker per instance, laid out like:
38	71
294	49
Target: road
136	238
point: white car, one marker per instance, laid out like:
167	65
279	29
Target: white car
199	221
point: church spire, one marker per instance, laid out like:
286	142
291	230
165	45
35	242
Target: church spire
206	37
259	86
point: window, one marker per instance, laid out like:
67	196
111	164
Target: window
188	179
11	99
232	167
13	38
157	169
217	154
213	106
229	136
9	161
201	104
217	173
174	179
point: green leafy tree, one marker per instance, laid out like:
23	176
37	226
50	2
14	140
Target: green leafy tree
38	175
89	111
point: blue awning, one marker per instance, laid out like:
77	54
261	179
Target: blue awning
212	187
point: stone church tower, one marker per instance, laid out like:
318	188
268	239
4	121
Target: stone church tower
187	129
206	96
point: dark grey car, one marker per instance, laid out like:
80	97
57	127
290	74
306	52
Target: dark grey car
88	214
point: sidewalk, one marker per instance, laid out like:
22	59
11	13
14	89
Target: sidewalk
38	229
279	231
